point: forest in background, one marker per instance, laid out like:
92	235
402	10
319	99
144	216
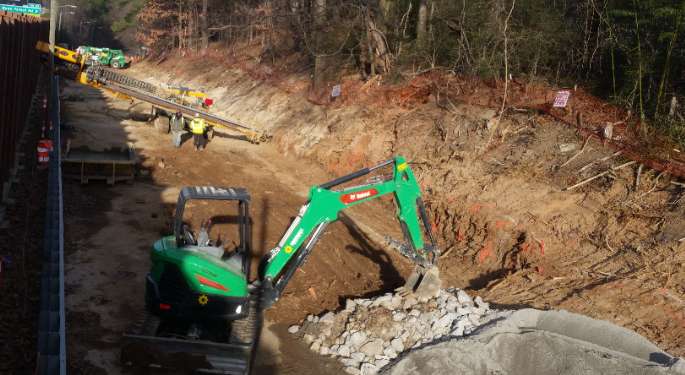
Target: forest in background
630	52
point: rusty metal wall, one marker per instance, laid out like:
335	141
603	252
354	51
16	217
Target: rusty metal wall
19	68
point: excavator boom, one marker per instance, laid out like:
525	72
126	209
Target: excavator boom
324	206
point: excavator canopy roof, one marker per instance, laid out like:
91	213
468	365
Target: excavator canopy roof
212	192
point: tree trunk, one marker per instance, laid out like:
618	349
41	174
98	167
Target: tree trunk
667	63
639	61
180	25
421	23
319	12
204	26
319	16
295	23
386	7
430	19
189	25
378	48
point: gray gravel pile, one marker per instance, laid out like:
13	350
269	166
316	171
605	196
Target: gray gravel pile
369	333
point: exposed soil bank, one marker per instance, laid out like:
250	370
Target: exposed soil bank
109	231
609	249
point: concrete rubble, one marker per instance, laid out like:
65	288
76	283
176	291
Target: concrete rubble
369	333
455	334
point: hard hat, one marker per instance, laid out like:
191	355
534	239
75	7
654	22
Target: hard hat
197	115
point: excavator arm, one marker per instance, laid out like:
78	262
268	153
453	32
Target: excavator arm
324	206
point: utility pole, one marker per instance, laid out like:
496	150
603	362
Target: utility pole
54	9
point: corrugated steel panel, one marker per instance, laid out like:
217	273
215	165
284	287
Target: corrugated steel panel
19	68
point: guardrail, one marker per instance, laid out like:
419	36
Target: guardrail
51	325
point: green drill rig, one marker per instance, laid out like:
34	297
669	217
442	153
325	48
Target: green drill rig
103	56
204	313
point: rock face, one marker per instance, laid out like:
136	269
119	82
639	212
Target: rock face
369	333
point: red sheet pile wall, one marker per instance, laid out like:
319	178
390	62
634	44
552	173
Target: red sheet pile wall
19	68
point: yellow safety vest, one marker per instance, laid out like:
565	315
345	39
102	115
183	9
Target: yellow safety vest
197	126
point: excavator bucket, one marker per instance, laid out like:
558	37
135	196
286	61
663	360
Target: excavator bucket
424	283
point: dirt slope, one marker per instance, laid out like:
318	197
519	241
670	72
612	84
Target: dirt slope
110	230
507	229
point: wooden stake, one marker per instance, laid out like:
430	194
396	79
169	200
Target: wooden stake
637	177
656	183
617	153
599	175
587	140
579	121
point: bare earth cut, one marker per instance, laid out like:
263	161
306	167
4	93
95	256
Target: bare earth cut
609	249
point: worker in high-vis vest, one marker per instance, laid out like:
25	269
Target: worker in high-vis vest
198	127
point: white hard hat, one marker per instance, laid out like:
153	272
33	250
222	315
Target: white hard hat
197	115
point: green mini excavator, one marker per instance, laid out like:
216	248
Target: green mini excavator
203	309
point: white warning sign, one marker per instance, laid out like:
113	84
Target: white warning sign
561	99
337	90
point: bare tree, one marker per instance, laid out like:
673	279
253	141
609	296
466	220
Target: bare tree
505	27
180	25
319	11
204	26
319	17
421	23
379	55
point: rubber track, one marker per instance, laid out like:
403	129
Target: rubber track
244	334
246	331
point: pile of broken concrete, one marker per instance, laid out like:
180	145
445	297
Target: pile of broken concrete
369	333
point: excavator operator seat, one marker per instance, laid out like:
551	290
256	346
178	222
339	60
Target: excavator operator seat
189	240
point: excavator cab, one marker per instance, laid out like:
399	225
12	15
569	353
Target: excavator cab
200	315
195	277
